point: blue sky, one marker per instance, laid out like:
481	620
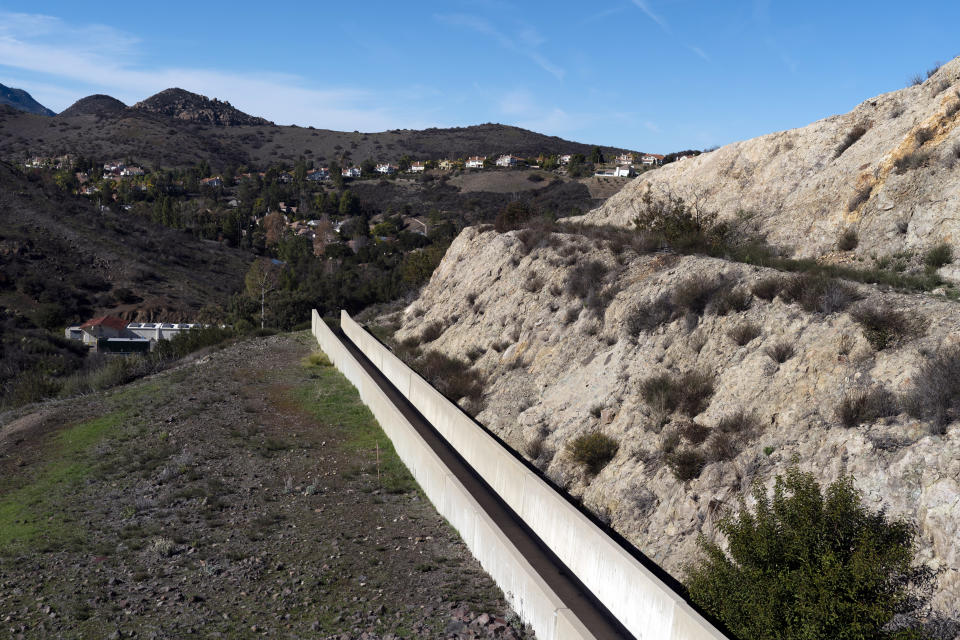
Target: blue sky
651	75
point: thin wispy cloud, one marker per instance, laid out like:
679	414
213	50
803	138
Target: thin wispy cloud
90	57
700	52
645	7
526	43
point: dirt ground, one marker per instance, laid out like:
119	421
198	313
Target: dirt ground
246	493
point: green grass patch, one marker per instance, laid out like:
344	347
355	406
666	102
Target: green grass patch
332	400
32	515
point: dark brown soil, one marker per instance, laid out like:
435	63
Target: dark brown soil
234	496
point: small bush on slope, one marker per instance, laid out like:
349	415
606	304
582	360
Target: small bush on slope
804	564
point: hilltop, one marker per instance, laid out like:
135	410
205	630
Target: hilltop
885	174
95	105
176	128
22	101
192	107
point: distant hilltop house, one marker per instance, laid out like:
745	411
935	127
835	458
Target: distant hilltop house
475	162
509	161
351	172
110	334
447	165
214	182
651	159
318	175
418	167
132	171
386	169
624	158
565	158
623	171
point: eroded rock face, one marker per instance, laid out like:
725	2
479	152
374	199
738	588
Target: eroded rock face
559	365
192	107
897	183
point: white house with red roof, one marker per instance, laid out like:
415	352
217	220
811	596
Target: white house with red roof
475	162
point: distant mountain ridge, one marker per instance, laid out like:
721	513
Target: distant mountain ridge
22	101
193	107
178	128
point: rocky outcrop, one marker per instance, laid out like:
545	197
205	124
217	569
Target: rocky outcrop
889	169
566	329
192	107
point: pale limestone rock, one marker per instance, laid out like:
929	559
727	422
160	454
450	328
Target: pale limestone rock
548	376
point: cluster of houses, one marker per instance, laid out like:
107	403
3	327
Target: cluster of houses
110	334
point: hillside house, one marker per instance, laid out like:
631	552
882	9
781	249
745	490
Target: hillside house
447	165
351	172
418	167
386	169
623	171
565	159
154	331
318	175
624	158
214	183
132	171
285	178
476	162
509	161
651	159
108	334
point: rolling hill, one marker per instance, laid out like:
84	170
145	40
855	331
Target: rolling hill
22	101
179	128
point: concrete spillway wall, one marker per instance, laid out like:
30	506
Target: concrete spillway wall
632	592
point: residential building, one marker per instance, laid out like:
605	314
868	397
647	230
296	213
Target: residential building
318	175
418	167
447	165
131	171
351	172
160	330
623	171
476	162
651	159
108	334
565	158
214	183
625	158
386	169
509	161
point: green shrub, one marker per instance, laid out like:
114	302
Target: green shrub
808	564
938	256
882	325
513	216
593	450
818	293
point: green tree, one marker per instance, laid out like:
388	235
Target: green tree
404	163
368	167
596	156
807	565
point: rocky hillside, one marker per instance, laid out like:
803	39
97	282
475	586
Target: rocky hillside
22	101
708	374
192	107
889	170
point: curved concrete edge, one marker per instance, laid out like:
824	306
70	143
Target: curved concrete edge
640	600
529	595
